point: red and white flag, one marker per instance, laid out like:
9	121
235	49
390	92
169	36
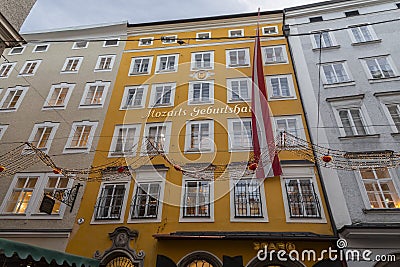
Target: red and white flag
265	154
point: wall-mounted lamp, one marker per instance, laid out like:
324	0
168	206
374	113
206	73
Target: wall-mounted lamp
286	30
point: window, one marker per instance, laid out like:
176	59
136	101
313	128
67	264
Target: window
156	138
394	111
125	140
275	54
111	42
162	94
290	124
352	121
248	199
200	36
26	193
13	98
351	13
110	201
41	48
80	45
362	34
6	69
167	63
17	50
105	63
196	199
280	87
270	30
238	89
140	65
134	97
303	202
3	129
335	73
72	64
95	94
379	67
236	33
43	134
240	134
237	58
58	96
203	60
169	39
146	41
199	136
323	39
380	189
30	67
81	137
201	92
146	201
316	19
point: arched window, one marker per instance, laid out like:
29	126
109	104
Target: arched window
200	259
121	261
200	263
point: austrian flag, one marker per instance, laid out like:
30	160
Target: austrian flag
265	154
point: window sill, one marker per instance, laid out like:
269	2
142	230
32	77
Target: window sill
161	105
102	70
196	219
71	150
202	68
274	98
275	63
4	77
106	221
209	102
165	71
53	107
121	154
342	84
238	100
381	80
131	107
239	66
198	151
8	109
396	134
138	73
359	136
69	71
144	220
326	48
382	211
367	42
91	106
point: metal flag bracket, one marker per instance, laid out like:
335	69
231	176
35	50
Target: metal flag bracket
66	196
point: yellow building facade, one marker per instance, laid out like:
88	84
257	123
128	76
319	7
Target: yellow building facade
177	136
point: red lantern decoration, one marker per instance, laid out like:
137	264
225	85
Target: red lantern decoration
177	167
327	158
121	169
56	171
2	168
253	166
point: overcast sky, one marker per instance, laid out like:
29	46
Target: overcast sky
51	14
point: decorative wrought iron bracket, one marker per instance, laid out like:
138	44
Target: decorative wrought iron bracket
66	196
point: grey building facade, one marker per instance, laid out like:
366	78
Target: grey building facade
346	55
54	93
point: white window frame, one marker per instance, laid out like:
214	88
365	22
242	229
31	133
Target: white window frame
292	92
46	124
131	73
233	147
300	133
103	97
331	36
230	92
246	54
232	183
38	45
210	93
198	38
338	83
98	69
68	149
74	46
3	129
12	64
166	141
176	60
393	178
369	28
33	71
352	104
70	87
32	209
148	177
270	27
153	100
275	61
11	52
121	181
19	101
211	144
391	99
301	173
211	201
133	151
111	39
169	39
230	33
193	61
126	93
78	65
390	62
146	38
